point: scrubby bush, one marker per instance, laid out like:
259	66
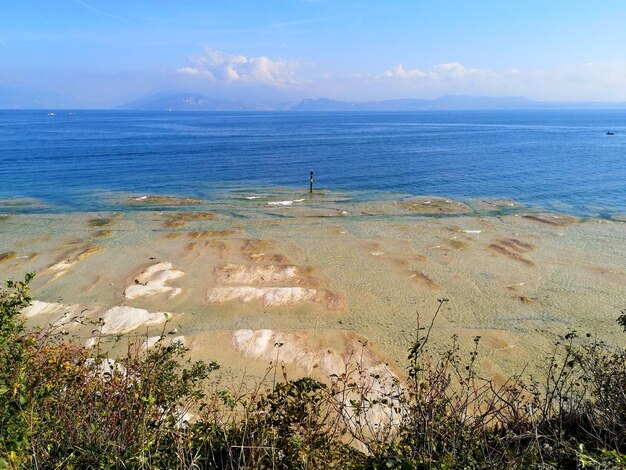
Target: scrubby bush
14	369
64	406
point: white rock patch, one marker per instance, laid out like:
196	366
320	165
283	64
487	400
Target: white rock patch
42	308
64	314
120	320
241	274
271	296
292	348
152	282
373	378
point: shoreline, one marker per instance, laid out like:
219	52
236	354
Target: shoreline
261	200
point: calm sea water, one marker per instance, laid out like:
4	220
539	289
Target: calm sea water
561	160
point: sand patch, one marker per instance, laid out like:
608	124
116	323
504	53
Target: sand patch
121	320
152	282
501	340
618	277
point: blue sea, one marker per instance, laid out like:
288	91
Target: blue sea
557	160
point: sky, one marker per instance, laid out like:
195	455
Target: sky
103	53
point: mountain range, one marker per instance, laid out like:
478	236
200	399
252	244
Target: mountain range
198	102
18	98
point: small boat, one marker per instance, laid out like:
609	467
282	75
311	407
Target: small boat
51	114
610	133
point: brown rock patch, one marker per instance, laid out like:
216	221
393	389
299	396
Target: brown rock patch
7	255
93	249
557	220
99	222
268	258
212	233
423	280
179	219
435	205
456	243
517	245
255	245
511	254
102	233
513	249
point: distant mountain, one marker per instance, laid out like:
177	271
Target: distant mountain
449	102
26	98
197	102
445	102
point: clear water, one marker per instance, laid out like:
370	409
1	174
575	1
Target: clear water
561	160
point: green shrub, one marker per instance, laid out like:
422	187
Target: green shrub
14	369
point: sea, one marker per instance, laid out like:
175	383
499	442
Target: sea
557	160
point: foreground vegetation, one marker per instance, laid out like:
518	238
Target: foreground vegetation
66	406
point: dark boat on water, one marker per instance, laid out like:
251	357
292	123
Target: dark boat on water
610	133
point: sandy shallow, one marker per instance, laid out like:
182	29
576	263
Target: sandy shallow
324	278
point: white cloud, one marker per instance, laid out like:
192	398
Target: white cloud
585	81
219	66
449	71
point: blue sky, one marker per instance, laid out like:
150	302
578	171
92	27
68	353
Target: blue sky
100	53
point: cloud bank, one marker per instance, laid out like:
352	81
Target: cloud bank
451	71
588	81
219	66
577	82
